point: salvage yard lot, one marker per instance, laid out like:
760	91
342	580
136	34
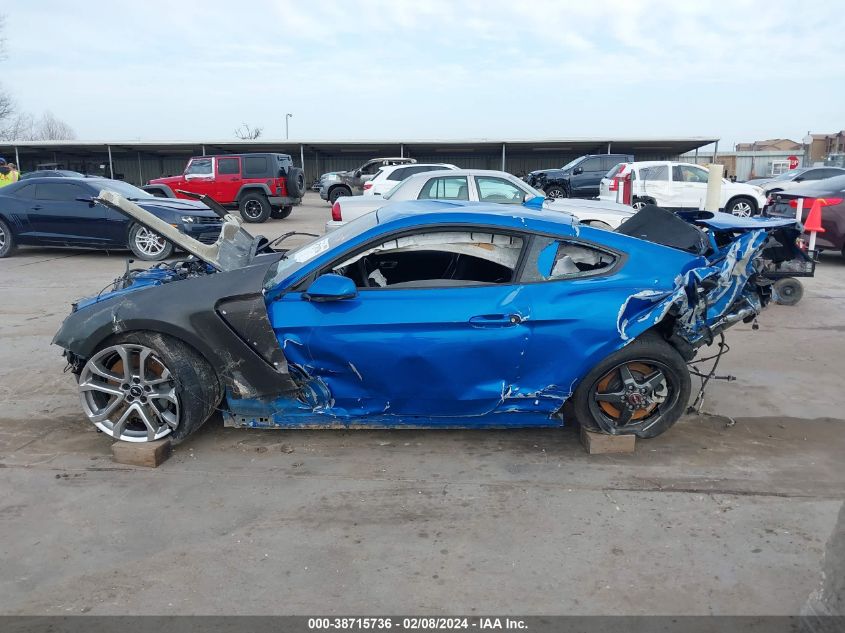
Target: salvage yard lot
708	518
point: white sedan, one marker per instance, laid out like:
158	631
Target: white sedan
479	185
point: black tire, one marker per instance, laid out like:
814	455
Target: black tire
280	213
787	291
254	207
338	192
295	182
643	358
7	240
555	191
742	207
639	203
198	387
142	246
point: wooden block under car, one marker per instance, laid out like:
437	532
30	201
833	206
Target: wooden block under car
149	454
598	443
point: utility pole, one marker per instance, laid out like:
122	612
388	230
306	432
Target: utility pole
287	129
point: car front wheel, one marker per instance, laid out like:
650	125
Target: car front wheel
7	240
555	192
639	390
146	386
280	213
742	207
147	245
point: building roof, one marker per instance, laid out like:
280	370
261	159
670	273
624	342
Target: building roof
378	147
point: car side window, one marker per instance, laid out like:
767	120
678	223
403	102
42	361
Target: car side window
370	169
592	164
552	260
228	166
491	189
199	167
445	188
255	166
59	191
435	259
658	172
685	173
27	191
814	174
608	162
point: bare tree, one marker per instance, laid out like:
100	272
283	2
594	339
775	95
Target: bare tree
50	128
246	133
7	105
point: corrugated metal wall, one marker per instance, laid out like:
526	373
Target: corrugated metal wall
139	168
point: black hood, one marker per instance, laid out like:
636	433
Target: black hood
176	205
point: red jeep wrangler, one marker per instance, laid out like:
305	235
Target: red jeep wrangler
260	185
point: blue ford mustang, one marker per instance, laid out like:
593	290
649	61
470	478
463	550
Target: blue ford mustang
423	314
59	211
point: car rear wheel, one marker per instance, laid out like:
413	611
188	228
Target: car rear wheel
255	208
146	386
280	213
338	192
7	240
639	203
742	207
147	245
640	390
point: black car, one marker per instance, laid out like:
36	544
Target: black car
59	211
579	178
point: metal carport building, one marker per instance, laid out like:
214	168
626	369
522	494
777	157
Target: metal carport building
139	161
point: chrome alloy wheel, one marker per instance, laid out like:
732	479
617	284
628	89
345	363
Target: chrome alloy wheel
129	394
253	208
3	238
742	209
149	243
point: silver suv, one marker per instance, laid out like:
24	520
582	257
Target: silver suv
351	183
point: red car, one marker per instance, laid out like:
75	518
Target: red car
261	186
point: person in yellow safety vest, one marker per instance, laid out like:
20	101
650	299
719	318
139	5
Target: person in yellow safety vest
14	173
5	173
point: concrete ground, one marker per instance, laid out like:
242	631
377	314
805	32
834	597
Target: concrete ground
707	519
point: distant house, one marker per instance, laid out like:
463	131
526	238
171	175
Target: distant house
773	144
824	145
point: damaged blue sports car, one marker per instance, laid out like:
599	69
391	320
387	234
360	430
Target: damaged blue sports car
434	314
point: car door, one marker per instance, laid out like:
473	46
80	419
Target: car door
585	183
654	184
58	216
420	338
689	186
199	176
227	181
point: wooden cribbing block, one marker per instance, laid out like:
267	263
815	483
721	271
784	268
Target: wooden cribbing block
149	454
598	443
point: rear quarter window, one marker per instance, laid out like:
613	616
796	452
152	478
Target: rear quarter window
256	166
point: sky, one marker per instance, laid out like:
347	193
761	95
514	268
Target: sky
429	69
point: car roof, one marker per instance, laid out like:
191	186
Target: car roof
390	168
420	212
464	172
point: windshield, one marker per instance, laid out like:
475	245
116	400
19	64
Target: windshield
130	192
296	259
572	163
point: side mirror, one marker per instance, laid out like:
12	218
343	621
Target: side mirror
577	170
330	287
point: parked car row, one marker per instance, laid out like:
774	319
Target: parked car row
477	185
678	186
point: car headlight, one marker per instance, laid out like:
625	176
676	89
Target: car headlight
188	219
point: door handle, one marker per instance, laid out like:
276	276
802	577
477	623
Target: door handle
37	207
495	320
